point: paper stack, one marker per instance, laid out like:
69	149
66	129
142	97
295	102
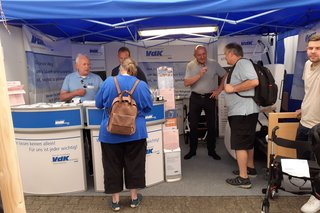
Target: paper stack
166	90
172	152
15	91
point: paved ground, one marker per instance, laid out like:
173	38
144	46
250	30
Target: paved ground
150	204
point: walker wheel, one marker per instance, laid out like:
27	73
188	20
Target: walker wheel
265	206
272	191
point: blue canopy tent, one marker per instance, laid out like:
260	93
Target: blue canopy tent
120	20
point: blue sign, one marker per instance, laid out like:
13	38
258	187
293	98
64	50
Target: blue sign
46	119
95	116
157	113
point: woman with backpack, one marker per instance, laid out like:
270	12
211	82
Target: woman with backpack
124	155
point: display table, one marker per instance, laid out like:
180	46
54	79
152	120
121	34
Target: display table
50	149
154	155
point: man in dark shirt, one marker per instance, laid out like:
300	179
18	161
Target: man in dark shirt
124	53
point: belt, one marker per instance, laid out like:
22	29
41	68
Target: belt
205	95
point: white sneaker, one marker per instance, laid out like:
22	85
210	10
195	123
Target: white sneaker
312	206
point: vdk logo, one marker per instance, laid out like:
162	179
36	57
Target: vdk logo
154	53
60	158
149	151
36	40
246	42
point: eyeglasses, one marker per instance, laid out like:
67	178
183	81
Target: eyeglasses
83	84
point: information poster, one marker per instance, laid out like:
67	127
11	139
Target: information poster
179	69
51	163
48	62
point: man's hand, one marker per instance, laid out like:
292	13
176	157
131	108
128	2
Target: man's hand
215	93
202	71
80	92
298	111
228	88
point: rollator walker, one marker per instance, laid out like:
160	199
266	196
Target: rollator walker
277	178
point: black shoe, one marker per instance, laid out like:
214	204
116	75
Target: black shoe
214	155
240	182
252	172
189	155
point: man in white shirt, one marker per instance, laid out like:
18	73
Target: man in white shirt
310	108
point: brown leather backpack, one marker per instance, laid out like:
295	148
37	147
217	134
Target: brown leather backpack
123	113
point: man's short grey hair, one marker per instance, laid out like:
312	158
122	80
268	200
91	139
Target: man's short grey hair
80	55
235	48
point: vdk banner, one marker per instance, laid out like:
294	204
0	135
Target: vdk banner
297	91
48	62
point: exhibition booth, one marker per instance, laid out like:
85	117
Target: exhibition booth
49	137
54	137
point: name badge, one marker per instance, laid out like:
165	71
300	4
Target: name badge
90	86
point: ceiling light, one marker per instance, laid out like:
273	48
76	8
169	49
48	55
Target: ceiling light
177	31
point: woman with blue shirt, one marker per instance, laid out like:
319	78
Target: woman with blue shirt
124	156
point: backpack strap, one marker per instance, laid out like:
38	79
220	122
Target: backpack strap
117	84
231	70
134	86
230	73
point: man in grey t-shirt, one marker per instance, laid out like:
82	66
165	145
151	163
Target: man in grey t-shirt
242	113
201	77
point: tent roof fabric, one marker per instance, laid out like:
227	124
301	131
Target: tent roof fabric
110	20
78	9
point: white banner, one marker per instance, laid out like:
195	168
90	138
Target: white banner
94	52
253	47
167	53
35	41
48	62
297	91
51	163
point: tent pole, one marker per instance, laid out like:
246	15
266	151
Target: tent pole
10	180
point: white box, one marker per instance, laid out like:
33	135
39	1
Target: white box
172	165
170	138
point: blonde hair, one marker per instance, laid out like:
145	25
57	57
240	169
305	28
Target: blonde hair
130	66
314	37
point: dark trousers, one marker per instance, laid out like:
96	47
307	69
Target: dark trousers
124	160
196	105
87	150
304	134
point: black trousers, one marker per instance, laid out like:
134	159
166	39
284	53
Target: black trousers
304	134
196	105
124	160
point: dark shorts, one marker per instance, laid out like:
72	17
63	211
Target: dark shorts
243	131
124	161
